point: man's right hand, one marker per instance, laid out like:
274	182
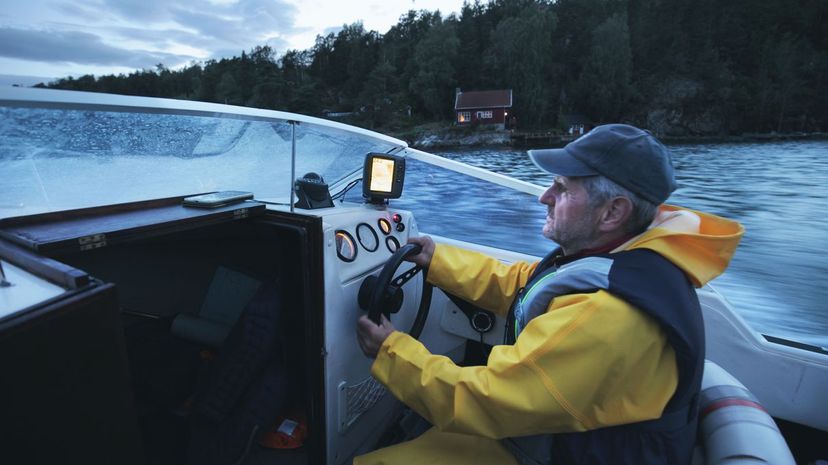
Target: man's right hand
423	259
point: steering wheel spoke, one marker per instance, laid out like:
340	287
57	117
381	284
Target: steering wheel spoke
383	294
406	276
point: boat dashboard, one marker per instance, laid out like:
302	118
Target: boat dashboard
364	237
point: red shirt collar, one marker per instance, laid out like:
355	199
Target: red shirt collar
600	250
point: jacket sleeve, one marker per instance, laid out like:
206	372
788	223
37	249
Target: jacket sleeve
477	278
575	368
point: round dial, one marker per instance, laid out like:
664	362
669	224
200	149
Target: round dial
367	237
345	246
385	226
392	243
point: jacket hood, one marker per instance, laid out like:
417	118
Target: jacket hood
701	244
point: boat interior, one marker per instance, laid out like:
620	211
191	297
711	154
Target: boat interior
153	332
181	296
185	293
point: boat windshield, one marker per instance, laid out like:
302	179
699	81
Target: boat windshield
63	150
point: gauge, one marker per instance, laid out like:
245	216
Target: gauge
392	243
367	237
385	226
345	246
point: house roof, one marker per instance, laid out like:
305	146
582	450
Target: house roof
483	99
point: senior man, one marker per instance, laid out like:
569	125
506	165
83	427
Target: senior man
605	349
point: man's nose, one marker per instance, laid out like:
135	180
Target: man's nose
547	197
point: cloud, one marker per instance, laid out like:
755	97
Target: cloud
242	21
134	11
158	38
78	10
210	25
140	10
246	22
77	47
136	34
269	14
200	24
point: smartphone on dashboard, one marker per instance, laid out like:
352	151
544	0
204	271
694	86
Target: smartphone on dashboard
217	199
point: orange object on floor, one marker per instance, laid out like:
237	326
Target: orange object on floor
289	432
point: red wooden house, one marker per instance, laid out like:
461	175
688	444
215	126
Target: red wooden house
483	107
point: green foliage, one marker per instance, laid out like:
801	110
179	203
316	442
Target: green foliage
520	55
676	66
781	80
605	84
432	84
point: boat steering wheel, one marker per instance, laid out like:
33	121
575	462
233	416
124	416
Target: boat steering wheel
383	295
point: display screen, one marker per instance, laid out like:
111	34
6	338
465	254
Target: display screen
382	174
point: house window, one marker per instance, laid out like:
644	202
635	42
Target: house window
463	116
484	114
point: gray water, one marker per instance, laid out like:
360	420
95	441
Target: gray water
778	279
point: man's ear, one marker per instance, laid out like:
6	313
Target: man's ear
616	213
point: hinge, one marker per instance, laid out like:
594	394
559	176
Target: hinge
94	241
240	213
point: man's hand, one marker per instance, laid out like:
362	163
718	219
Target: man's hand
423	259
371	336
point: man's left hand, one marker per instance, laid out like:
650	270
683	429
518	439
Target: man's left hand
371	335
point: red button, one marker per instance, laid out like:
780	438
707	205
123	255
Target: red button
397	217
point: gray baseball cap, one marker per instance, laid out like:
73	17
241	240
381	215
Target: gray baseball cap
631	157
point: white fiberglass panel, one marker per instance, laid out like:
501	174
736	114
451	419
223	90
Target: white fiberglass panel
25	290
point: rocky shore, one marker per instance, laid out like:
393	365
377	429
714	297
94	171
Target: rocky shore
432	136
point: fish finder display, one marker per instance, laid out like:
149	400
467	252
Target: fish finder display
382	174
382	177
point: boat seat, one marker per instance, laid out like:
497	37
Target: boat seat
229	292
734	428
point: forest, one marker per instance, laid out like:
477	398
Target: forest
677	67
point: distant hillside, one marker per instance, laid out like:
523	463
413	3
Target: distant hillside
24	81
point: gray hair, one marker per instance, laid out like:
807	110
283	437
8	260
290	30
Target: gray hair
601	189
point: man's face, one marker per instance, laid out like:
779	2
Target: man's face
569	219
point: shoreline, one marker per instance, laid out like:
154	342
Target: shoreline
443	140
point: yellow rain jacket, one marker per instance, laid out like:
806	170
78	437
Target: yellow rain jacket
591	361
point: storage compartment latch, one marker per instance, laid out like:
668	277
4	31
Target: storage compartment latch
95	241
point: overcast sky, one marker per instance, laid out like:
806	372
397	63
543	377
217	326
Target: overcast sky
58	38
